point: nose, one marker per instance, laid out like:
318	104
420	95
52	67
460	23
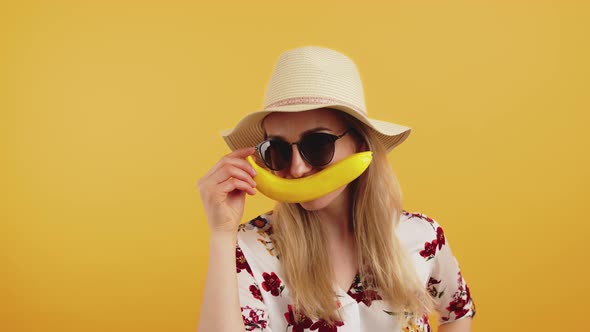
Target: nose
298	167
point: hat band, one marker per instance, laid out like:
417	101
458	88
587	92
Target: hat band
313	101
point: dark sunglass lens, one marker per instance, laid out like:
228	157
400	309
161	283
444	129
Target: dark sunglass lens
318	148
276	154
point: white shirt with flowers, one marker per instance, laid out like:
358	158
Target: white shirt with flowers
266	304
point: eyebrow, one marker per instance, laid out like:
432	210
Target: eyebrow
302	134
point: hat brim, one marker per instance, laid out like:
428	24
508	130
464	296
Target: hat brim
249	132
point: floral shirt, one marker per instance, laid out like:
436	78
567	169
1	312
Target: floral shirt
266	304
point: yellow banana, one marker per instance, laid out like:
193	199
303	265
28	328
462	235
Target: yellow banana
314	186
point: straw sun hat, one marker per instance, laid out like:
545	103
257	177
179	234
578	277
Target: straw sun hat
307	78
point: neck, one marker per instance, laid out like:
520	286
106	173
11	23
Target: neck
336	217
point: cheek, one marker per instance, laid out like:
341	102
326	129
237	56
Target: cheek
344	151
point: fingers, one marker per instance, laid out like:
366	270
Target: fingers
234	183
231	166
235	158
230	170
239	163
242	153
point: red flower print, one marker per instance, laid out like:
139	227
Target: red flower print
460	281
299	321
241	263
259	222
467	293
262	224
358	293
419	215
255	292
370	296
433	281
272	283
429	250
457	306
461	298
322	326
430	247
440	237
431	287
253	320
367	297
426	323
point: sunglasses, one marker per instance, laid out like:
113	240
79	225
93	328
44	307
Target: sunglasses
317	149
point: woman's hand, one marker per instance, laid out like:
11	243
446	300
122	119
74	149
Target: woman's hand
223	190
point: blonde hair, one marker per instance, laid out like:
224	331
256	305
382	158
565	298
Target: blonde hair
384	265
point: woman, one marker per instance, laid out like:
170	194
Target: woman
351	260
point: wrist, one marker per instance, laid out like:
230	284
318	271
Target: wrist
223	237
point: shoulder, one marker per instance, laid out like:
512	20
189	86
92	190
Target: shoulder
418	227
255	238
261	225
417	218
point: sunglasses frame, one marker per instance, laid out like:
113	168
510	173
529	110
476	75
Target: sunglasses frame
301	153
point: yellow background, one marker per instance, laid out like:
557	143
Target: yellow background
110	113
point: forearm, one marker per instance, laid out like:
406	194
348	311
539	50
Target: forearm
220	309
462	325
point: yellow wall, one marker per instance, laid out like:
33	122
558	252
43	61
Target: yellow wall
110	114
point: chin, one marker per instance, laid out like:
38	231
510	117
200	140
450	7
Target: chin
322	202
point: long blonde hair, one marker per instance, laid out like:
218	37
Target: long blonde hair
384	265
